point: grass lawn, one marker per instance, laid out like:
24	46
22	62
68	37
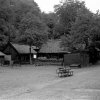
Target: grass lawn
42	83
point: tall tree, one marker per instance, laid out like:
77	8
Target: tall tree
6	20
67	12
81	28
78	24
50	20
86	27
21	20
31	26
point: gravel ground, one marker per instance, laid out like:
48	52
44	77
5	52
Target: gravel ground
41	83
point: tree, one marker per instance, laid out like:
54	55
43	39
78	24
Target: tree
6	20
81	28
20	18
67	13
86	27
33	27
50	20
28	22
21	21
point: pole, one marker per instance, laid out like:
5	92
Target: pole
30	56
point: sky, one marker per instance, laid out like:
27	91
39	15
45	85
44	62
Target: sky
93	5
47	5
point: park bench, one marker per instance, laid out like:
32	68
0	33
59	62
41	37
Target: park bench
64	72
75	65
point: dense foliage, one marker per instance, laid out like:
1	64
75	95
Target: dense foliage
21	21
77	25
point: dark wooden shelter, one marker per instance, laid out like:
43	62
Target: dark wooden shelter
80	57
19	53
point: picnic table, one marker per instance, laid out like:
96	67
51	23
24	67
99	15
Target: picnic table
64	72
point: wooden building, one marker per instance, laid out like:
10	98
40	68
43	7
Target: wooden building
52	49
19	53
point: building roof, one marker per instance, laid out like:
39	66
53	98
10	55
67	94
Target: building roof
23	48
2	54
53	46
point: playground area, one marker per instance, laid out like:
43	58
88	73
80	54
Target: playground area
42	83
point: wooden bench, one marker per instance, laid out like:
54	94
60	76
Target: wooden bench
64	72
75	65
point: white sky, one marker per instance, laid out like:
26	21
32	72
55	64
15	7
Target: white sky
93	5
47	5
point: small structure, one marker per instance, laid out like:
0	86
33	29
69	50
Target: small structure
77	58
2	58
19	53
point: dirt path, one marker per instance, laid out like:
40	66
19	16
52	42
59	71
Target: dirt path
45	85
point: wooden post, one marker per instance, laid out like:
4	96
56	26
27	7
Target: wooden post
30	55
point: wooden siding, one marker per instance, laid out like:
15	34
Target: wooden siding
76	58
